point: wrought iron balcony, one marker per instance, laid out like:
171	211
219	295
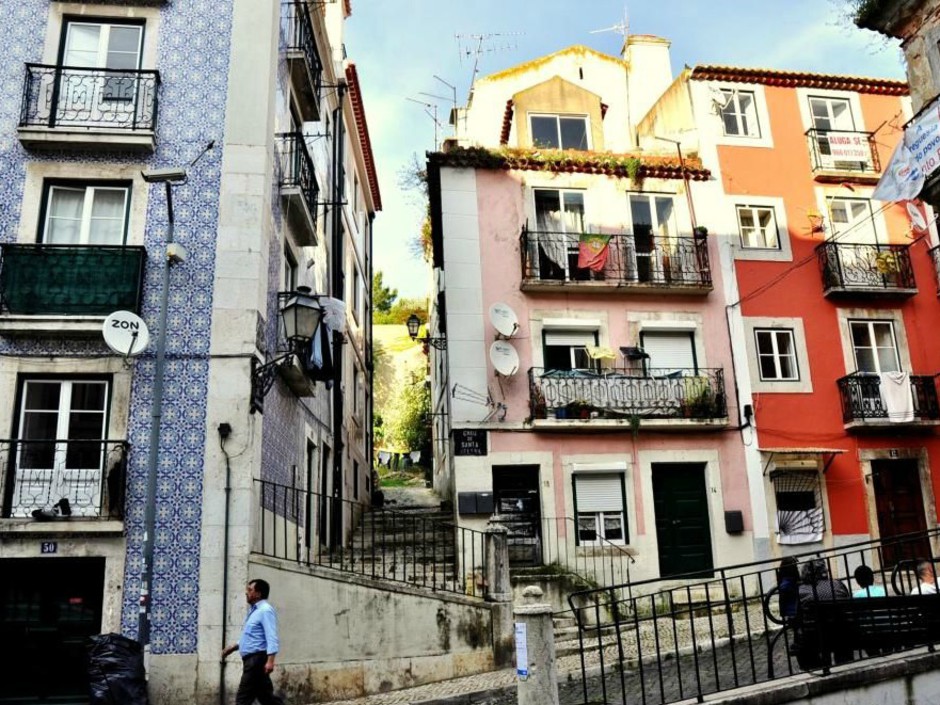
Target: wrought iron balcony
849	268
657	264
298	182
843	151
38	474
864	404
622	394
70	280
303	57
68	100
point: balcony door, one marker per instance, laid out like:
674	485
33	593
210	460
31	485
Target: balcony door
85	215
899	504
559	217
834	123
652	254
60	450
99	81
876	353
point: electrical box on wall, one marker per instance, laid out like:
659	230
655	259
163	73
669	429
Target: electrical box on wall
734	521
475	502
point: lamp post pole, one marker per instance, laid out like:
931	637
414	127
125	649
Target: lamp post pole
156	414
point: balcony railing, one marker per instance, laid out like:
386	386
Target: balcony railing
630	260
627	393
71	97
850	267
70	280
301	41
840	150
863	401
295	167
38	475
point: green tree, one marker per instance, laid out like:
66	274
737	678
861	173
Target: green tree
382	296
407	425
400	310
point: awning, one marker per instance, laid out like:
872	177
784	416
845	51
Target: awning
821	452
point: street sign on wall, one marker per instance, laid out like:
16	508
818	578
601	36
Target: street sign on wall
470	441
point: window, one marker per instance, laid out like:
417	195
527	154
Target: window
776	355
356	294
355	404
875	346
852	220
85	215
670	352
559	132
738	113
831	113
758	227
60	449
290	270
599	503
355	479
567	350
559	217
101	45
832	118
799	506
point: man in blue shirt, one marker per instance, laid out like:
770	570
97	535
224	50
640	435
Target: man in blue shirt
258	646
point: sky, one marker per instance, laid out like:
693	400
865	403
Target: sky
399	47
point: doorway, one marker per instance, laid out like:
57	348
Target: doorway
516	502
683	530
899	504
48	608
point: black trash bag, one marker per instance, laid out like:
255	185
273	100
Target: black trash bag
116	673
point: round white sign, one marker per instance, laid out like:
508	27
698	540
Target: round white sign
126	333
917	216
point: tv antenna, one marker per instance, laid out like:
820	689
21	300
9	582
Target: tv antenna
452	99
622	28
476	45
430	109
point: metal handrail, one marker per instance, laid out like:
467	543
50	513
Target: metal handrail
846	265
862	400
296	168
301	38
345	535
820	142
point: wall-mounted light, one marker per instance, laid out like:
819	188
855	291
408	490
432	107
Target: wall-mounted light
414	323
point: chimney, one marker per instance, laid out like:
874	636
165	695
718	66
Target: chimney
649	72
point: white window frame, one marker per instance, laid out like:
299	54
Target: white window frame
802	385
84	235
870	324
600	515
558	117
733	101
852	230
758	232
776	355
104	39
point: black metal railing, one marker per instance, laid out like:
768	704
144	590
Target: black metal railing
862	399
622	393
852	266
300	38
295	168
743	625
630	260
842	150
315	529
74	97
39	474
71	280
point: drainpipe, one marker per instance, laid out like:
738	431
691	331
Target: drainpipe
339	287
370	443
225	430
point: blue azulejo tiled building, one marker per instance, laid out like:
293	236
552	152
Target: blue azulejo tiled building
252	115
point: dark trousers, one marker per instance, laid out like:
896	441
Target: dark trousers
255	683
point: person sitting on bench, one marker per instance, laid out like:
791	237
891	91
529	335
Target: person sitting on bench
927	575
866	583
818	586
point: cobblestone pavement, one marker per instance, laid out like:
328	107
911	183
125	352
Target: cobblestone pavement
730	665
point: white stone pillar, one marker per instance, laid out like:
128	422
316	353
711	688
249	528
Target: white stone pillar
498	590
539	686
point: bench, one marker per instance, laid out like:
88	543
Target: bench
828	631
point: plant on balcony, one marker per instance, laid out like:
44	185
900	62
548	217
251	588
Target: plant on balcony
539	408
699	401
579	409
886	263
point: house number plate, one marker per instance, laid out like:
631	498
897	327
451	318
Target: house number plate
49	547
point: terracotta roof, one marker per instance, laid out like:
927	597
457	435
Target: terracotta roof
800	79
355	97
507	123
606	163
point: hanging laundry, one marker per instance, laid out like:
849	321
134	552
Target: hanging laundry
600	353
896	394
320	365
593	249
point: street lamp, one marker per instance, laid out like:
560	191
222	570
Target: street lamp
414	323
173	253
300	318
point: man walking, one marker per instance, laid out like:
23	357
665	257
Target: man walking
258	646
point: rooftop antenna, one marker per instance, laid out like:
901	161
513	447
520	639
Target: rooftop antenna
476	45
430	110
622	28
452	99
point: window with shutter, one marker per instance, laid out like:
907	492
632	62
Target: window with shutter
670	352
599	508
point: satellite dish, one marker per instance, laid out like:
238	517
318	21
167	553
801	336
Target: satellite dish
504	319
504	357
917	216
126	333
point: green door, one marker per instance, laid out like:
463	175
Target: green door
682	526
48	609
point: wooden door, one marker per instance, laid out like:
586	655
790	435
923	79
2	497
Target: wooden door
683	529
899	504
